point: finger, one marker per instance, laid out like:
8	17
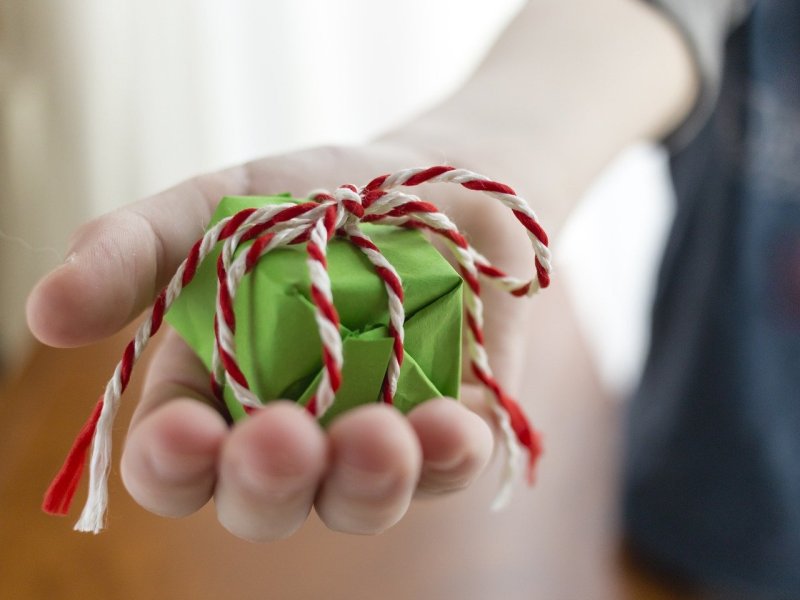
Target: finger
375	464
456	445
169	463
118	262
174	371
494	231
170	460
506	320
270	468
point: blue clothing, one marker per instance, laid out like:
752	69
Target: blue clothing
712	478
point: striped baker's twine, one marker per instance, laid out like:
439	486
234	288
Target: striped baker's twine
314	223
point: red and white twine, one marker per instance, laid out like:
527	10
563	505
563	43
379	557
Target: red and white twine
314	223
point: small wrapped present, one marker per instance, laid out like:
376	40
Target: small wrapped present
334	301
277	338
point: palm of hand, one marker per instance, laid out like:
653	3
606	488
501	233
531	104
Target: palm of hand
267	472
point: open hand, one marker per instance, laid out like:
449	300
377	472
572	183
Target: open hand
266	472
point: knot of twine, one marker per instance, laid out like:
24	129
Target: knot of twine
315	223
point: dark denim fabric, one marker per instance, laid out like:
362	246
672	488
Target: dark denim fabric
712	478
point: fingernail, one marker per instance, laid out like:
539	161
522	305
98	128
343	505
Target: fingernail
447	464
260	483
362	483
177	468
252	479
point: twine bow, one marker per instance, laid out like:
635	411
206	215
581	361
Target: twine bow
314	223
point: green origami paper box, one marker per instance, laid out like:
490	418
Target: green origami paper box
277	340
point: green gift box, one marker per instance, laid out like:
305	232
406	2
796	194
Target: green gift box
277	339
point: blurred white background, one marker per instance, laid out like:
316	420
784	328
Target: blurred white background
104	101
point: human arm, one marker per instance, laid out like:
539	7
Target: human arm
180	452
567	86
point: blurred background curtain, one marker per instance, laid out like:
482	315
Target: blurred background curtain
104	101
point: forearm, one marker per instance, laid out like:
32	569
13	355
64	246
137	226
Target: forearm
567	85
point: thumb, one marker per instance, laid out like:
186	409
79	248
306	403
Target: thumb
119	261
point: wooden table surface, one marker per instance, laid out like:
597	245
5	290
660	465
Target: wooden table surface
557	541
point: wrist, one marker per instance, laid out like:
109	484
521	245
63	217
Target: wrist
531	164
